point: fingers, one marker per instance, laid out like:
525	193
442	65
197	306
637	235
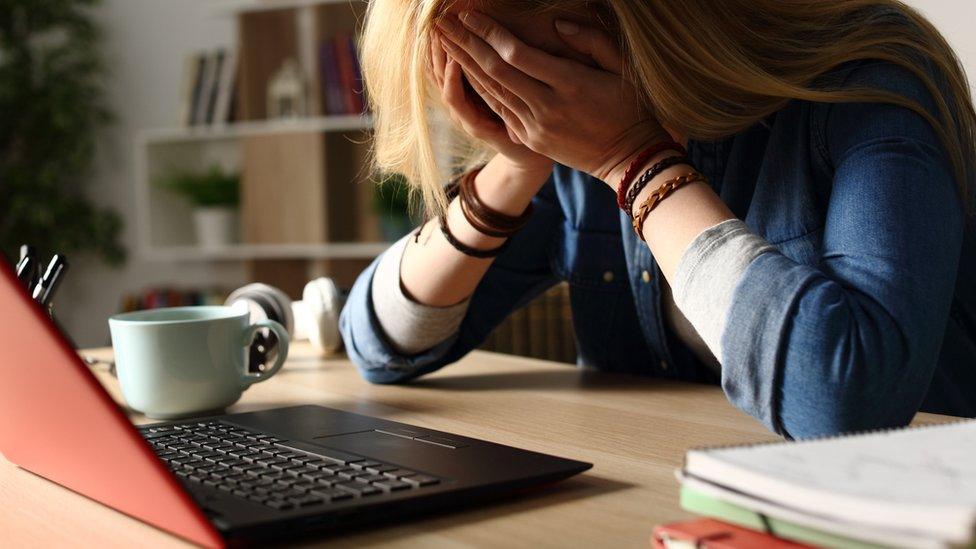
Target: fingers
466	114
487	87
531	61
438	60
512	122
489	62
592	42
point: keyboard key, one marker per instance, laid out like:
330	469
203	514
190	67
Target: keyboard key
422	480
258	456
365	464
333	494
279	505
328	480
400	473
372	478
259	498
358	488
378	469
303	486
392	485
273	462
309	500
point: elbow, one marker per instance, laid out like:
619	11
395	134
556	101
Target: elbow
854	372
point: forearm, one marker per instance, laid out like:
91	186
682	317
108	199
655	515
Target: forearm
673	225
432	271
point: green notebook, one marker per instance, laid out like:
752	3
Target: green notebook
702	504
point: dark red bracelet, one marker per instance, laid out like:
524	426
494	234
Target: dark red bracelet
643	157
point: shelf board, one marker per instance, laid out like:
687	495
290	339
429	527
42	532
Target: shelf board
258	127
240	252
232	7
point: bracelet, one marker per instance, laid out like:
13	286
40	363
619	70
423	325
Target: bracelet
468	250
649	152
648	176
659	195
452	190
484	219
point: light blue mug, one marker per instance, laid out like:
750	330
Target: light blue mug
185	361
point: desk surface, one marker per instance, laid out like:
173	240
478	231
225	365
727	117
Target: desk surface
635	431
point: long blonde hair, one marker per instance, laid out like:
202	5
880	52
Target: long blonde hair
705	68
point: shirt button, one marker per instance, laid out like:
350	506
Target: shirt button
664	365
608	276
646	277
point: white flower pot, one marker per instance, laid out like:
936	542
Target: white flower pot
216	227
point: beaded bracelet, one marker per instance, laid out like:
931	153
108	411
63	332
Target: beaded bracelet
648	176
643	157
660	194
484	219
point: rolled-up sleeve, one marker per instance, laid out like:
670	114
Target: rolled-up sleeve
522	272
852	342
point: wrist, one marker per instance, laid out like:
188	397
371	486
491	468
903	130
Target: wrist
508	187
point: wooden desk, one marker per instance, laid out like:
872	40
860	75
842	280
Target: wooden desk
634	430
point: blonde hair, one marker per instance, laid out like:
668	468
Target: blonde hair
706	69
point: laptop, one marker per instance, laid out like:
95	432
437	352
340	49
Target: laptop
238	477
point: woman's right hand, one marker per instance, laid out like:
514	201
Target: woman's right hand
469	113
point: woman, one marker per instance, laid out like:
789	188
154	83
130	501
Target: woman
792	184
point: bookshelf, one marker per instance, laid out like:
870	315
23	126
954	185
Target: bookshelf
305	196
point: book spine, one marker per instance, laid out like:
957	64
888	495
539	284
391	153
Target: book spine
198	74
358	88
566	319
218	72
536	315
330	77
346	76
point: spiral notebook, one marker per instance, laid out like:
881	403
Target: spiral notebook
909	487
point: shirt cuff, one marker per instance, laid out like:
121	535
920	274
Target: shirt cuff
410	327
708	273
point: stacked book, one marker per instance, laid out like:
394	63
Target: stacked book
340	76
901	488
542	329
209	88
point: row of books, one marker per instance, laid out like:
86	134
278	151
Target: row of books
542	329
209	88
155	298
340	76
912	488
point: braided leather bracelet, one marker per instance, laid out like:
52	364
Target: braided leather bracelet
660	194
649	175
643	157
484	219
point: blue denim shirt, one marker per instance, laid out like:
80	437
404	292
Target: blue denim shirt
865	314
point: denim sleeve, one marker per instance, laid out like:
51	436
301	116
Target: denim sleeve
522	272
852	343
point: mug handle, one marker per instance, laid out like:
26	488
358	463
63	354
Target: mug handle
282	335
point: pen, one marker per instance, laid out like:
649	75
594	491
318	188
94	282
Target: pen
31	275
26	269
45	289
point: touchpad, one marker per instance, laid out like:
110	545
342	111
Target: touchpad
380	445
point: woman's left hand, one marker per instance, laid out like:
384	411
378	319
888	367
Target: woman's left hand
586	118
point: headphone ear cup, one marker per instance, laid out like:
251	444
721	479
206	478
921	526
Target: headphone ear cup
323	301
263	302
275	304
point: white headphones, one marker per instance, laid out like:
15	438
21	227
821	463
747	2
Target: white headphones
315	317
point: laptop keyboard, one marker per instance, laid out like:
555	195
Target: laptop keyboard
267	470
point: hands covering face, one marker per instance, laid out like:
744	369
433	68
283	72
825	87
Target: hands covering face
583	117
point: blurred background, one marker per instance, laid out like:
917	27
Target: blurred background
179	149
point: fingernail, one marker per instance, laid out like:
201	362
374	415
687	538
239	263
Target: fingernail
566	27
472	20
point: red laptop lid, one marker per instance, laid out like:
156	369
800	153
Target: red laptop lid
57	421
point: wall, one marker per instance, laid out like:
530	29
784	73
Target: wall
146	43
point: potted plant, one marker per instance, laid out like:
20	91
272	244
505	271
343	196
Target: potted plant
215	195
52	97
391	201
